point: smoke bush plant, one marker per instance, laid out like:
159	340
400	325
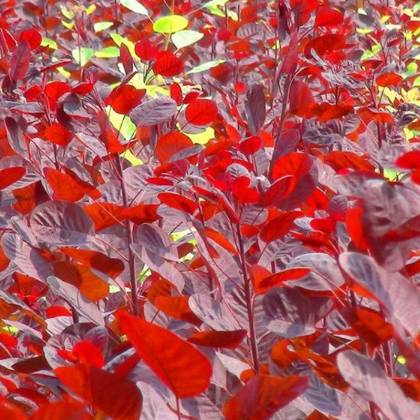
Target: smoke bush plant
209	210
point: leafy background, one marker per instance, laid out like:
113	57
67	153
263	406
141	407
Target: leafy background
209	210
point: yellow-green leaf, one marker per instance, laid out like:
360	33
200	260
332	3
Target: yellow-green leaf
206	66
48	42
170	24
108	52
82	55
182	39
101	26
135	6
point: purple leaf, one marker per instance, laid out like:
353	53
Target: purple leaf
16	137
28	260
153	112
371	382
19	63
289	312
157	241
61	223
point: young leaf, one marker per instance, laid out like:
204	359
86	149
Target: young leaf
262	396
201	112
170	144
170	24
115	397
178	364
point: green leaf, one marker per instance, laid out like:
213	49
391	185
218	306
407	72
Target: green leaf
134	160
122	123
135	6
108	52
101	26
206	66
170	24
118	39
182	39
82	55
48	42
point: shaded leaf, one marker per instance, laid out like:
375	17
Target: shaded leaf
262	396
116	397
370	381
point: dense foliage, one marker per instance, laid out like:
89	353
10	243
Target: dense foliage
209	210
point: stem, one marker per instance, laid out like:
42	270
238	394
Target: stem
178	411
131	256
249	308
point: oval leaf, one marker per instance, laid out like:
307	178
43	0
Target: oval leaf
61	223
262	396
116	397
170	24
178	364
153	112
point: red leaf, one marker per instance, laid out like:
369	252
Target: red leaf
279	278
145	50
89	284
176	93
104	214
64	186
126	59
328	17
301	99
342	160
245	195
55	90
262	396
297	164
142	213
376	115
108	134
124	98
409	160
279	226
62	410
201	112
88	354
19	62
9	176
112	267
369	325
167	64
177	307
279	190
117	398
179	202
170	144
58	135
326	111
221	240
178	364
218	339
325	43
302	10
250	145
32	37
389	79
